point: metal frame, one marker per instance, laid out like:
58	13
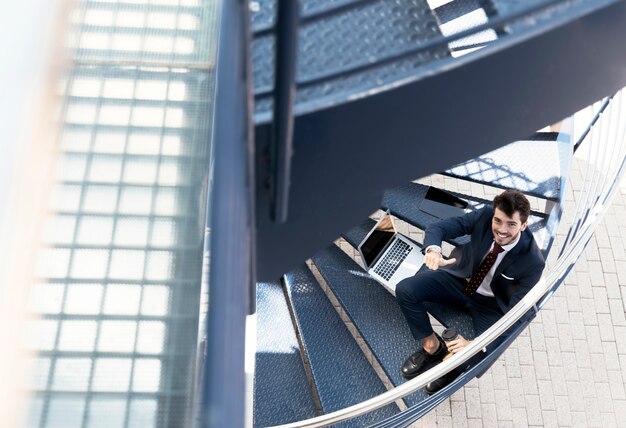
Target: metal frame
564	54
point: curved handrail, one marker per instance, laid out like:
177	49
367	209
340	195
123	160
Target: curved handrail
544	288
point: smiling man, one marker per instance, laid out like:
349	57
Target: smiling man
486	276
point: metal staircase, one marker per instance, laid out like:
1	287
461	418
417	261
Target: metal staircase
378	95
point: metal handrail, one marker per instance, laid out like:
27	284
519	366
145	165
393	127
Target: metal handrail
547	284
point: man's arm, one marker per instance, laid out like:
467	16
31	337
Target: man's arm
454	227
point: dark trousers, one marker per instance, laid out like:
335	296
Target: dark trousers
441	287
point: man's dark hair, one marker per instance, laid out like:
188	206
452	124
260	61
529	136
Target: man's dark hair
510	201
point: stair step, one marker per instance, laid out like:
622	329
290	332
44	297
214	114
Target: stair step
374	312
357	234
459	15
535	166
338	37
340	370
282	393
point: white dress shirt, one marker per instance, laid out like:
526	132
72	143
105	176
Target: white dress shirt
485	287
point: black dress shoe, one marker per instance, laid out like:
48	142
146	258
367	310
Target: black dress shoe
421	360
442	382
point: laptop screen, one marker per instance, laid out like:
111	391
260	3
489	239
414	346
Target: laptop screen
375	243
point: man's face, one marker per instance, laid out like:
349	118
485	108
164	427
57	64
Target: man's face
506	229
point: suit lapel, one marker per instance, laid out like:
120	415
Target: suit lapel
512	255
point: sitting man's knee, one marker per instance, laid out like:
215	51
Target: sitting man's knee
404	289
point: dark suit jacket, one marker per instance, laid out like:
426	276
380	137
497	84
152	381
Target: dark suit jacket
519	270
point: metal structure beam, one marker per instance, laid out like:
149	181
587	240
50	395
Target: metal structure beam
346	156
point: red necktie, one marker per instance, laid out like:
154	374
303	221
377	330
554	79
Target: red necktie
485	266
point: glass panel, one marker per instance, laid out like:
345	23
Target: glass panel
175	118
150	337
172	145
136	200
110	142
72	168
100	199
39	370
159	265
147	375
142	413
178	91
166	203
76	141
144	144
81	114
86	87
95	231
59	229
65	412
160	44
112	374
77	335
161	20
155	300
90	264
53	263
99	41
168	174
99	17
117	336
46	298
148	116
164	233
131	232
105	169
151	89
140	171
106	413
40	335
185	45
114	115
71	374
118	88
187	22
126	42
122	299
33	415
131	19
84	299
127	264
65	198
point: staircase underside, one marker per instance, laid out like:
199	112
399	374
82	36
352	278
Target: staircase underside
400	134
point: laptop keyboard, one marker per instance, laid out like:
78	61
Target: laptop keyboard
396	254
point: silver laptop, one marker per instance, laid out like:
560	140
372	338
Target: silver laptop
388	256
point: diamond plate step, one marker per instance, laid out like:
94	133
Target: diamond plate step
356	235
373	311
336	38
282	393
536	166
340	370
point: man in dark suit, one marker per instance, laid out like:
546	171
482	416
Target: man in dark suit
486	276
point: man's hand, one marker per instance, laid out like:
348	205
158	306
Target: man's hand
434	260
457	344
